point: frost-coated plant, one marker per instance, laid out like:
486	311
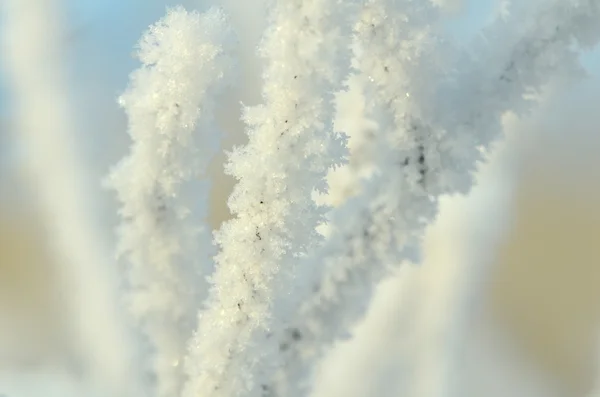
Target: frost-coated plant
170	104
327	204
253	310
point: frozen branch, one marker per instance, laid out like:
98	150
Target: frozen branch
291	147
170	105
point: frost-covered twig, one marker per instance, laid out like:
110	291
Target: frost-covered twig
385	223
291	147
394	45
170	105
383	46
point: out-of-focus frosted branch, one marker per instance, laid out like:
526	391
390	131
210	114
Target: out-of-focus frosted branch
507	67
291	147
55	169
385	223
170	105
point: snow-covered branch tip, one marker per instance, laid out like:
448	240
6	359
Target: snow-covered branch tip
170	104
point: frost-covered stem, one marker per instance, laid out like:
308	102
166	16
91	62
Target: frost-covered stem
291	147
170	104
385	223
381	40
393	39
55	169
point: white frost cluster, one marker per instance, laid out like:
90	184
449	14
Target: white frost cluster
280	295
253	309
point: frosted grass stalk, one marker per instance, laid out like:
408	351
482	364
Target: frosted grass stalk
170	103
291	147
393	44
